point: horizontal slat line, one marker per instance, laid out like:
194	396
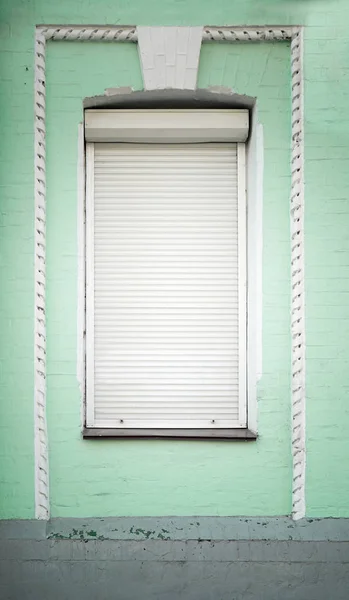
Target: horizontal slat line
149	324
143	345
157	272
156	378
173	396
111	209
170	336
216	187
190	412
149	244
222	161
211	226
152	369
160	260
162	353
141	164
226	376
122	146
151	286
158	361
219	223
194	413
162	406
197	269
161	174
163	207
199	329
137	156
173	315
186	239
187	167
169	156
219	187
144	416
202	283
180	236
108	300
192	338
172	387
197	149
123	150
189	261
177	176
127	273
162	421
139	365
180	253
123	193
150	384
176	429
163	216
168	392
174	227
177	182
179	303
190	401
120	284
202	197
137	159
115	203
144	253
163	298
117	292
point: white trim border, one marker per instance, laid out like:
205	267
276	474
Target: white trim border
210	34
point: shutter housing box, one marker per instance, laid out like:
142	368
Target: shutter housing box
169	126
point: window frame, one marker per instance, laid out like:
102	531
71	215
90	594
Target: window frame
240	432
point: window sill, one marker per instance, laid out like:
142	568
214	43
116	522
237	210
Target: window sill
216	434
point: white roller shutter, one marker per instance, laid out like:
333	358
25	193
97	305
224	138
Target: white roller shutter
166	311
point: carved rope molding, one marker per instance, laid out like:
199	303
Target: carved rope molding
210	34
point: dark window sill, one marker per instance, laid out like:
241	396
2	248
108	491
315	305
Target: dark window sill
207	434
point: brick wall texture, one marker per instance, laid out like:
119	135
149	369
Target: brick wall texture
94	478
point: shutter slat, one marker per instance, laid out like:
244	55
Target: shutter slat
166	293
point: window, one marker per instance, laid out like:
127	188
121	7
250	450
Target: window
166	305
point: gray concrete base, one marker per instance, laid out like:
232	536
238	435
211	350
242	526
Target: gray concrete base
193	558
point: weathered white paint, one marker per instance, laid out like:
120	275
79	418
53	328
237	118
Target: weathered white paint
91	33
40	426
250	34
166	126
297	279
255	167
81	269
169	56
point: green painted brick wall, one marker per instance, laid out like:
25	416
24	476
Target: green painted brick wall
90	478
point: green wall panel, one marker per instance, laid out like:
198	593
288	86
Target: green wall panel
158	478
90	478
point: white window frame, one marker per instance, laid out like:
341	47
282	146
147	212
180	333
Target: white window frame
242	430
